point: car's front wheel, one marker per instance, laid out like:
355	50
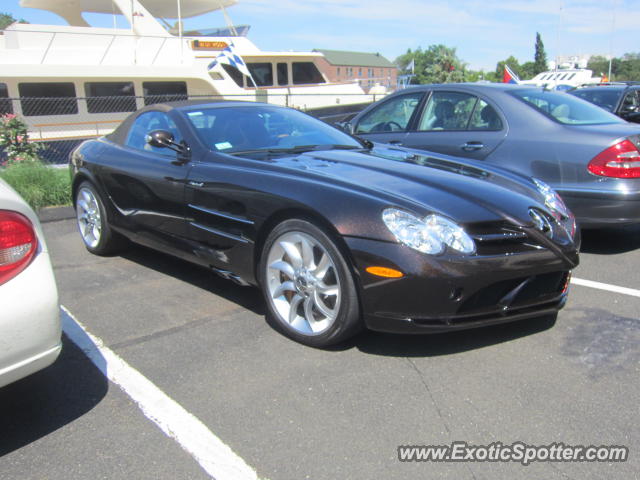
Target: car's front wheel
308	286
97	235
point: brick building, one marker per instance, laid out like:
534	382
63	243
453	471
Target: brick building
368	69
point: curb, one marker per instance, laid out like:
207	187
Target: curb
55	214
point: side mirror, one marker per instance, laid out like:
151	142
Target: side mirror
160	139
345	127
164	139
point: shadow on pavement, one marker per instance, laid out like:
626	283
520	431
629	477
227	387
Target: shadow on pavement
611	241
50	399
247	297
370	342
437	344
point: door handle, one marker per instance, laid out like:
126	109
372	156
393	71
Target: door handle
395	142
471	146
196	184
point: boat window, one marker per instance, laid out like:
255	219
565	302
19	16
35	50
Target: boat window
392	115
447	111
5	104
146	123
262	73
305	72
160	92
47	99
105	97
234	73
283	74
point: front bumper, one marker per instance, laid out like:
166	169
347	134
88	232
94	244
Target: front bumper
443	293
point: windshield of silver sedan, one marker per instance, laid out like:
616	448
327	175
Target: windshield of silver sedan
259	130
565	108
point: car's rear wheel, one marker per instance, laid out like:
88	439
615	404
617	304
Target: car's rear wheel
308	286
97	235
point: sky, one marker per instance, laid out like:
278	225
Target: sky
482	31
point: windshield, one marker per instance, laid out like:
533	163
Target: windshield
271	129
565	108
603	97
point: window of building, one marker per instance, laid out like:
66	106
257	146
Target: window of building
370	72
306	72
5	104
338	71
283	74
360	72
39	99
105	97
159	92
262	73
349	72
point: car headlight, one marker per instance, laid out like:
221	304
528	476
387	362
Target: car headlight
430	234
556	205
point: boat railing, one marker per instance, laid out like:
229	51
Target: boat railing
109	47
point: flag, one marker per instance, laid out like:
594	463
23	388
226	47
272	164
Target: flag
411	66
508	76
229	56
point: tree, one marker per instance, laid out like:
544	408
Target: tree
540	57
7	19
436	64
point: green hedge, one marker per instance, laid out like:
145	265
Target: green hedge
40	185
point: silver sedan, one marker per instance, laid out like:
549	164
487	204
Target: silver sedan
29	313
588	155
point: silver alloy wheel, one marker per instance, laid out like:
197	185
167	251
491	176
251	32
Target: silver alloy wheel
303	284
89	218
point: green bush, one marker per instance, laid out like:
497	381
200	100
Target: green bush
40	185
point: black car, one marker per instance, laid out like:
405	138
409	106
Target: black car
589	156
621	98
337	233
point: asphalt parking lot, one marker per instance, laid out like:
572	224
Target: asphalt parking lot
292	412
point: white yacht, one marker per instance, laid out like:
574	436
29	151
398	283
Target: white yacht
79	81
570	74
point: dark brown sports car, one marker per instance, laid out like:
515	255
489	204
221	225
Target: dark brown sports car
338	233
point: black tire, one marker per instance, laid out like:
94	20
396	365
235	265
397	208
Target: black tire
304	291
91	212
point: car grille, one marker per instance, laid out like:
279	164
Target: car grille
500	238
516	292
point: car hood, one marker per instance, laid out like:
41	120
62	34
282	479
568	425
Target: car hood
460	189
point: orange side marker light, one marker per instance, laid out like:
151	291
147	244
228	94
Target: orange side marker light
385	272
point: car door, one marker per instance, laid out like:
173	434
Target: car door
457	123
389	120
147	184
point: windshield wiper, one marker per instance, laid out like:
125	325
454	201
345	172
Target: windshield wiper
296	149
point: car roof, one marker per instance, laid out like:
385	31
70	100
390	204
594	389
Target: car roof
119	135
487	87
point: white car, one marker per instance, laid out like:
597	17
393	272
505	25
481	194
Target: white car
30	332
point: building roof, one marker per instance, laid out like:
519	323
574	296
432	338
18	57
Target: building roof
355	59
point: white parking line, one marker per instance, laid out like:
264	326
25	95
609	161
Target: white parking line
216	458
606	286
